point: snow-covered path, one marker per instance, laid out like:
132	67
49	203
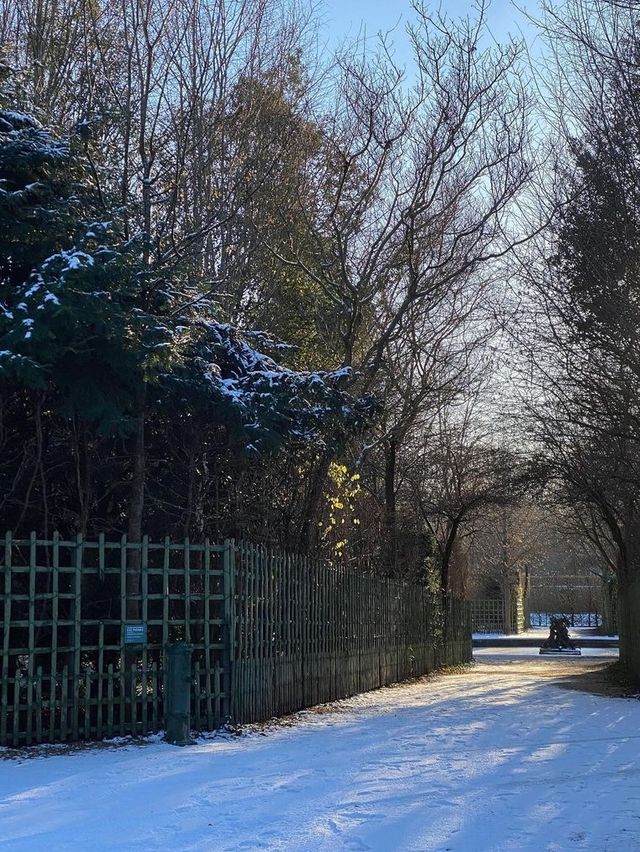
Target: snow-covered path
496	759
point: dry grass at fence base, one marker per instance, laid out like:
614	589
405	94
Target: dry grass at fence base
345	705
45	750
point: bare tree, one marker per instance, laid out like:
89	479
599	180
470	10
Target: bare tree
505	547
457	473
415	189
583	332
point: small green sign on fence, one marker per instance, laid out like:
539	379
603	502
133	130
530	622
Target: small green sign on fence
135	634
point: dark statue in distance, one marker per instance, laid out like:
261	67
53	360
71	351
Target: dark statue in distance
559	641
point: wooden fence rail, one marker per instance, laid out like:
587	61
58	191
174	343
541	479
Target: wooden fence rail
271	633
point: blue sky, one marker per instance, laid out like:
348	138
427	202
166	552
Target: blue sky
347	17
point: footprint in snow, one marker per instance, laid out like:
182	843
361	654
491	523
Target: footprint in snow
356	845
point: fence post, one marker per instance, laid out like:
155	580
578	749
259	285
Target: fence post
177	693
4	699
228	568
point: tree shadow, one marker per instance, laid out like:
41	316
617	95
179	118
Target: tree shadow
611	680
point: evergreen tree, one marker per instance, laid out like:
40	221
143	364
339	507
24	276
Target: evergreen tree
93	334
593	429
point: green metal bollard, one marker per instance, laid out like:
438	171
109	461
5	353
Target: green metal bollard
177	694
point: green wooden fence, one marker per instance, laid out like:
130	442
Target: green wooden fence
271	633
307	633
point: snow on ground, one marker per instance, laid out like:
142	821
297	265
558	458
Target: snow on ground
542	633
516	651
498	758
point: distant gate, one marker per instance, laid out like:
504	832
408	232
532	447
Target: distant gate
575	619
488	616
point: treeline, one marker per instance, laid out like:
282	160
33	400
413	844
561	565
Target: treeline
582	333
247	294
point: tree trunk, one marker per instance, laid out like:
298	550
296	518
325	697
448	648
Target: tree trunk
507	596
83	474
136	508
609	607
446	555
390	541
629	623
307	537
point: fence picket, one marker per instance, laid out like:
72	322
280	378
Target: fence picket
155	718
110	701
6	637
31	637
198	692
100	679
77	639
187	590
87	704
39	706
64	704
144	566
55	604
